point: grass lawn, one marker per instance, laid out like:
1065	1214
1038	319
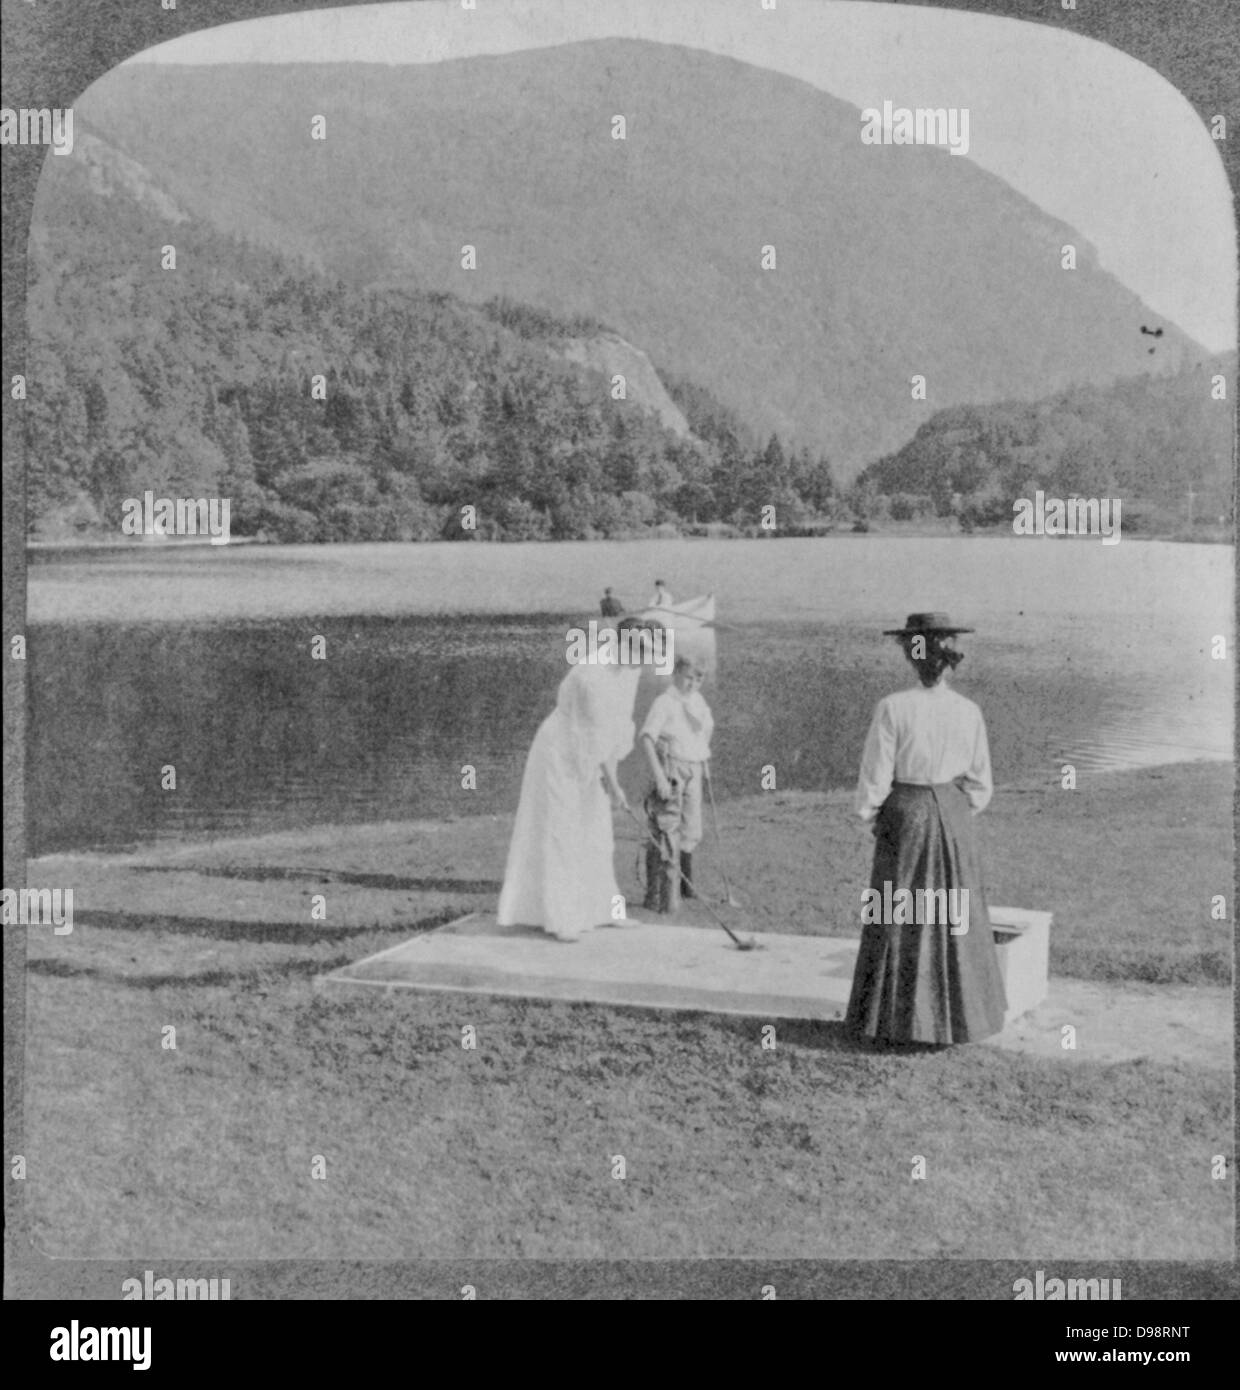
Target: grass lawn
507	1150
1128	863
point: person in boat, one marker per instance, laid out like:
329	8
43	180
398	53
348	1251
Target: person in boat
560	872
927	970
610	605
660	598
675	738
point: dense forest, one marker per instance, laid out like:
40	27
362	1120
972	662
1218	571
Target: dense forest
200	381
1150	441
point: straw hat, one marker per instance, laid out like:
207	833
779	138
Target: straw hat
926	624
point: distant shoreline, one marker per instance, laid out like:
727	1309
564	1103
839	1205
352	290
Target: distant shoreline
912	531
140	547
750	579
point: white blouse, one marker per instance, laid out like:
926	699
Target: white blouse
923	736
685	721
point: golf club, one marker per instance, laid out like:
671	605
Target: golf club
740	943
714	820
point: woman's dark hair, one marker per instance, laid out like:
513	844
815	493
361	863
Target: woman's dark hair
931	655
637	648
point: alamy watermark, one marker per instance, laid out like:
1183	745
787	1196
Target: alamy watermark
1075	516
596	645
180	516
38	125
1040	1287
38	907
199	1290
921	907
924	125
78	1343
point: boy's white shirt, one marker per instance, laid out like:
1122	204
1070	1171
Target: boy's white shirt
672	717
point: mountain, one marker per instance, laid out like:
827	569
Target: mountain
891	261
1149	442
199	378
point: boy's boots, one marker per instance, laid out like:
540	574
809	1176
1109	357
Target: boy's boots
671	878
662	881
686	872
656	881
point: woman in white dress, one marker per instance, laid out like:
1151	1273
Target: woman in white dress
561	873
925	776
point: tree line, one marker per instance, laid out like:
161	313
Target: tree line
1150	441
329	412
201	381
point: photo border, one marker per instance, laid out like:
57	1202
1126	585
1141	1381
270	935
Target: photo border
52	51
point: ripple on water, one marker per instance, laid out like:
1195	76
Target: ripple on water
1100	662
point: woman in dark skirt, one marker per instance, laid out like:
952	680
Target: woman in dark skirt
925	773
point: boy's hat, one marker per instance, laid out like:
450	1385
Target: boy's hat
926	624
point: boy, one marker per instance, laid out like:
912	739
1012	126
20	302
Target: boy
676	741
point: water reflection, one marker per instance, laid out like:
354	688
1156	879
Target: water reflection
264	737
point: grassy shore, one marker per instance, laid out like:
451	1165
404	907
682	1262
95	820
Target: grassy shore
1128	863
432	1150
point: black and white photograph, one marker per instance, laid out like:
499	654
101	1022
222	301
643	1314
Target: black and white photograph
619	624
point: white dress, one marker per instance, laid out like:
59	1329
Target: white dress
561	873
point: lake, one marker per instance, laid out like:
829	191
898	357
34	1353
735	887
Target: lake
444	655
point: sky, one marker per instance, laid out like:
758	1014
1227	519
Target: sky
1089	134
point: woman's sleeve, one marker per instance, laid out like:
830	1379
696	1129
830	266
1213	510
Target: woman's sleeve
878	760
977	783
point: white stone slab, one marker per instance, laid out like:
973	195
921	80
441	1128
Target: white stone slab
1023	942
658	965
653	964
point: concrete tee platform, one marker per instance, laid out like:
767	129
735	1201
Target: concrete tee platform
672	965
649	963
657	964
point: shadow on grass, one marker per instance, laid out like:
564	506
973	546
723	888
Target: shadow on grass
285	933
813	1034
256	977
293	969
831	1035
260	873
1144	965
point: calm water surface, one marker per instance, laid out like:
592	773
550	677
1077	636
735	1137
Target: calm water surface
442	655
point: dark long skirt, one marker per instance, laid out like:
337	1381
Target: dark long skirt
921	983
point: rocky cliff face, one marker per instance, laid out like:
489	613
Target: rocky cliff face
110	172
612	356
